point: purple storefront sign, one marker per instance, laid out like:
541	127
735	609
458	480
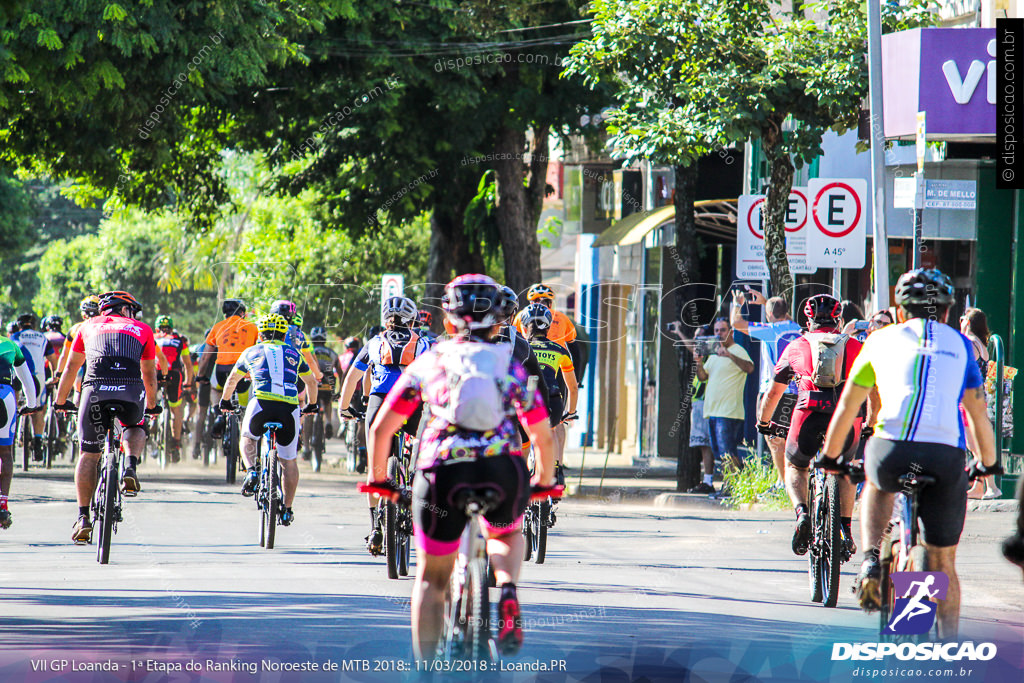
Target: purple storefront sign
948	73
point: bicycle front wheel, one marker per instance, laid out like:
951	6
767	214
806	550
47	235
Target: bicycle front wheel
273	502
814	495
26	442
317	455
231	437
542	511
478	611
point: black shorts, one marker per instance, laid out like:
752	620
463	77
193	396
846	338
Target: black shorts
220	378
556	408
438	523
807	434
172	387
942	506
203	394
130	402
373	404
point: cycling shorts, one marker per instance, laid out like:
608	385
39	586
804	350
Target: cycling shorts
942	506
556	408
8	414
260	411
203	394
172	387
373	404
439	524
220	378
131	404
807	434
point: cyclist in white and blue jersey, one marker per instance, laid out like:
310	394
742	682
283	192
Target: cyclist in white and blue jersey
275	369
38	351
923	369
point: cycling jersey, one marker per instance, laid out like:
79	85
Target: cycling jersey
387	354
327	359
523	352
174	348
296	338
114	348
232	336
774	338
428	335
11	357
36	348
425	381
56	340
274	368
554	359
922	369
562	331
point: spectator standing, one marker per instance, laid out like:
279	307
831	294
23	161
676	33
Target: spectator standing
774	336
974	326
699	436
725	370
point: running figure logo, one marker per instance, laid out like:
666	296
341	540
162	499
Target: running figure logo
914	611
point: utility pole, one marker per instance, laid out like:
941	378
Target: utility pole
880	257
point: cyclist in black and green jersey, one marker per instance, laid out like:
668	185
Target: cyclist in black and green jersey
559	374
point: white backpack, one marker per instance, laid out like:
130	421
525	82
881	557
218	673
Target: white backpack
474	371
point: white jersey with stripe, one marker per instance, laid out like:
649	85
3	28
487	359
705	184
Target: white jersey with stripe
922	369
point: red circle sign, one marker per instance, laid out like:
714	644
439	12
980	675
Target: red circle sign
856	218
750	221
803	198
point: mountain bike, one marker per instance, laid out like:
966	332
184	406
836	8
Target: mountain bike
24	431
52	442
827	551
269	493
537	519
317	437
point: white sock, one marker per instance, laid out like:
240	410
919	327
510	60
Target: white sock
708	479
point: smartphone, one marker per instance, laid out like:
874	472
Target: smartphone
861	324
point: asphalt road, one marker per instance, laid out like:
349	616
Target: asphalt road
627	591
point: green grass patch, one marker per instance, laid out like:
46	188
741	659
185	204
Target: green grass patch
753	484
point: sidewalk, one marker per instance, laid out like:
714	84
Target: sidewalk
654	481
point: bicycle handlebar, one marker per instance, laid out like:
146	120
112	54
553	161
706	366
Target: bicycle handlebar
403	496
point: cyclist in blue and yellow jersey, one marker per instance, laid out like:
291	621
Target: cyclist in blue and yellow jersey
296	338
178	377
559	374
39	354
385	356
275	370
12	364
923	370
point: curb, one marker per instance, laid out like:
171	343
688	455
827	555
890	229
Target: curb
685	500
1008	505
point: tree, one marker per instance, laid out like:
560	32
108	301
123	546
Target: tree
749	70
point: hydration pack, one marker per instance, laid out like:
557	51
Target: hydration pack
828	352
474	372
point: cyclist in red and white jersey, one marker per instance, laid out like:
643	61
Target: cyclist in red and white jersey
119	354
453	456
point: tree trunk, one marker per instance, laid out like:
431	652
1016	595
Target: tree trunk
536	190
780	182
685	257
519	243
451	253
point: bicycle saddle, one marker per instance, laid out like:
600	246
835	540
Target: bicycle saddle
916	480
478	500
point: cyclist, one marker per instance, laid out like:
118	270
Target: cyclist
386	356
425	318
296	338
38	353
225	342
274	368
805	360
119	354
559	375
178	378
52	325
923	370
201	389
453	456
330	369
12	363
521	349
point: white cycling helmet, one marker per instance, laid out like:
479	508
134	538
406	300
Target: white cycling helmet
401	307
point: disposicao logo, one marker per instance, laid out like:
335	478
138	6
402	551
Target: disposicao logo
915	606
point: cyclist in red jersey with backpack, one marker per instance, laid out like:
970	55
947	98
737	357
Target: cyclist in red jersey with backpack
819	361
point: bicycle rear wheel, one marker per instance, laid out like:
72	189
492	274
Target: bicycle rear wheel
107	505
817	511
231	436
831	550
273	503
478	611
528	533
541	512
26	441
888	558
319	435
50	442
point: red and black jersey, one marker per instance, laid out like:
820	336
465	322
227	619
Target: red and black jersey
114	348
173	346
796	362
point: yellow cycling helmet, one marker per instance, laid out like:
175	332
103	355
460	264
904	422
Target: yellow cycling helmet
90	306
273	322
540	292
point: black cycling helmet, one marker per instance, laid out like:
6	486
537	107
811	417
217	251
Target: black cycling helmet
232	307
118	299
90	306
823	309
27	320
925	287
473	302
53	322
318	334
353	343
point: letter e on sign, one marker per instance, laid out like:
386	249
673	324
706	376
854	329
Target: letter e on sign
838	217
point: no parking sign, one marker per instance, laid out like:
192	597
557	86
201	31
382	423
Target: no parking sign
391	284
750	263
838	219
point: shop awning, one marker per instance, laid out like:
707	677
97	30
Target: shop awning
715	218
